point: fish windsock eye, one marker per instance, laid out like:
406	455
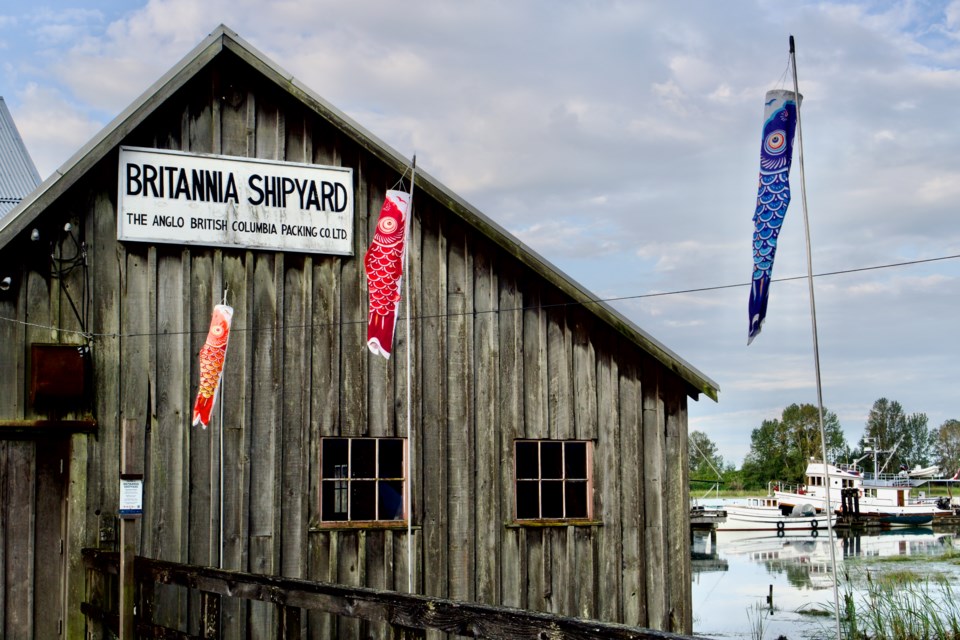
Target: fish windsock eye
219	328
776	142
387	225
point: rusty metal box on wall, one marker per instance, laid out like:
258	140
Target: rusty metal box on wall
57	375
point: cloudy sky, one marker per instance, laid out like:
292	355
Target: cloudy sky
621	141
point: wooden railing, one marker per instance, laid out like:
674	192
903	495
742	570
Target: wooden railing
408	616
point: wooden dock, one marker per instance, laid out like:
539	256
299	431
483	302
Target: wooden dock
701	518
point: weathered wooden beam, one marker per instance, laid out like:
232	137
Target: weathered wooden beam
32	429
397	609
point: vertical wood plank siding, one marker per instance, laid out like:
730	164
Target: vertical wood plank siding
497	353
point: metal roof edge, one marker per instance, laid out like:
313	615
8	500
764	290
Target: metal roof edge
25	161
473	216
221	38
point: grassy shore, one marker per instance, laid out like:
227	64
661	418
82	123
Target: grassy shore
898	603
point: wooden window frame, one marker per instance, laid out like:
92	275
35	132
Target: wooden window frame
343	485
587	518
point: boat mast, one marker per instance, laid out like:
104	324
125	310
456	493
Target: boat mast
876	469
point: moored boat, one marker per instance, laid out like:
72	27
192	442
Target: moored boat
849	490
767	514
924	472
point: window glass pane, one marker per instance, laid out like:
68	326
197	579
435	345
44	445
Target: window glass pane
551	495
576	460
333	454
551	460
363	458
341	499
391	459
527	500
362	479
527	466
576	499
363	500
330	501
391	500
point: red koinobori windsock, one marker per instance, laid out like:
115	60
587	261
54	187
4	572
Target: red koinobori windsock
212	355
384	265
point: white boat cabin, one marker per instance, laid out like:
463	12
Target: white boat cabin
847	488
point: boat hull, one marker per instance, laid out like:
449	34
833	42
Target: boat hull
905	520
909	515
764	519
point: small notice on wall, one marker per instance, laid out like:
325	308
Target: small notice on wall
131	496
224	201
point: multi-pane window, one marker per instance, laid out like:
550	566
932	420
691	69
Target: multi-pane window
553	479
361	479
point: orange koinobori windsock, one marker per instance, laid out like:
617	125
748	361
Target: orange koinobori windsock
212	355
384	266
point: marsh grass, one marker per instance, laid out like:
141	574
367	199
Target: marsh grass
896	559
899	578
757	618
950	555
900	605
815	612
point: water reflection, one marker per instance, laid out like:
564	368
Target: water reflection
737	571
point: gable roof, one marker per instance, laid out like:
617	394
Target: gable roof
18	175
223	39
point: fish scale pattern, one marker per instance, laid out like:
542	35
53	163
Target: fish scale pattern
773	198
383	263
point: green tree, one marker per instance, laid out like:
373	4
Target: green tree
904	439
703	459
780	449
947	446
769	454
733	478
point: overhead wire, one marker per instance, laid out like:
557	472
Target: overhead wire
641	296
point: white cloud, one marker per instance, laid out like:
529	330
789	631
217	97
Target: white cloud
620	141
952	17
51	127
941	188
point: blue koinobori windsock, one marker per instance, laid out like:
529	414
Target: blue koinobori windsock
773	196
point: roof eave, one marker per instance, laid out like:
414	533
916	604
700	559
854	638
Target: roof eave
114	133
697	382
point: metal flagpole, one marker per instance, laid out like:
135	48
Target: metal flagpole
220	443
816	348
406	294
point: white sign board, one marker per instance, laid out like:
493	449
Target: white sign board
131	497
220	201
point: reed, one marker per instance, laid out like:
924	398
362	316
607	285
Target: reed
900	605
757	617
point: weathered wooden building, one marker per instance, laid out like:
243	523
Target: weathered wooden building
548	456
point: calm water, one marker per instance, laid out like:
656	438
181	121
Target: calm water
731	582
